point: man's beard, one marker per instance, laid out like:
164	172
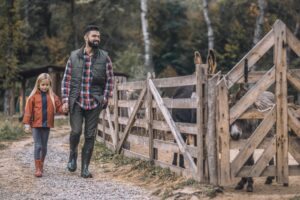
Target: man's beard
94	44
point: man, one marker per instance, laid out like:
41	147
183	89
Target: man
86	86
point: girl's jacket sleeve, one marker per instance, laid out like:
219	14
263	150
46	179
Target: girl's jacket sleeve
27	119
58	105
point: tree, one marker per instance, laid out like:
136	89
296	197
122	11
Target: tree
10	45
146	36
210	32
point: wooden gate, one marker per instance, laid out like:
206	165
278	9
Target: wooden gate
138	126
282	116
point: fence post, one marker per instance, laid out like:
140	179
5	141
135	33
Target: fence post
211	138
281	102
200	73
149	118
223	133
116	111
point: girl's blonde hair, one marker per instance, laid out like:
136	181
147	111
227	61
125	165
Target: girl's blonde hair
44	76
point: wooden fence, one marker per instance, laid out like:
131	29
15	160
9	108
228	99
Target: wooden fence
132	126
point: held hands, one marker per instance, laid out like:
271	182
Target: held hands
104	103
65	108
27	128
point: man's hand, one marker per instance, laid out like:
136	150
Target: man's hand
104	103
65	107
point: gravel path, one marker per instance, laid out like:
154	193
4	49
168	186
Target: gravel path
17	180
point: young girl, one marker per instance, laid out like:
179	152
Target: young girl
40	108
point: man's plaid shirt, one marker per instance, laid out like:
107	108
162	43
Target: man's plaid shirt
86	100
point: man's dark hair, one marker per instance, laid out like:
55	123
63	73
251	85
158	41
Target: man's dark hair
91	28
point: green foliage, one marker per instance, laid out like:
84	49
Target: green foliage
12	41
44	32
130	61
168	36
11	130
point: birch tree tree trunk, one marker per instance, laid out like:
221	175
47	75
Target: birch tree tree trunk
259	21
210	33
259	24
146	36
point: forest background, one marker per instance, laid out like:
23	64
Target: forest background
140	35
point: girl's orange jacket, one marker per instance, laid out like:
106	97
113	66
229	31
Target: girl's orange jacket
33	110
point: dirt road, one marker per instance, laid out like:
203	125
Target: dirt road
17	180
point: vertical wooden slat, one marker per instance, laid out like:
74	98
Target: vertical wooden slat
116	111
281	101
211	130
223	133
111	130
200	114
103	125
149	117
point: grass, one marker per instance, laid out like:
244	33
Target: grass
148	172
10	129
61	122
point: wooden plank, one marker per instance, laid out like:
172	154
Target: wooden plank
239	144
294	170
294	80
264	160
112	132
293	122
211	130
281	101
254	76
200	73
103	126
179	103
160	144
131	120
294	148
250	97
223	133
170	103
252	56
149	118
293	42
178	170
189	128
174	129
253	113
134	85
268	171
132	154
252	143
116	112
175	81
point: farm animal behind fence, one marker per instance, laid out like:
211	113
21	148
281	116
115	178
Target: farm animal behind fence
243	129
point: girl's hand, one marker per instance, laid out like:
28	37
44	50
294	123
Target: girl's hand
27	128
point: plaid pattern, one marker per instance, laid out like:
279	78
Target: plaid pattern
85	100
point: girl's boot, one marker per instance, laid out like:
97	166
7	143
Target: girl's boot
38	171
42	164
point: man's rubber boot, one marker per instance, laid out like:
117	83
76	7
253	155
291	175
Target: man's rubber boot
85	161
72	164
